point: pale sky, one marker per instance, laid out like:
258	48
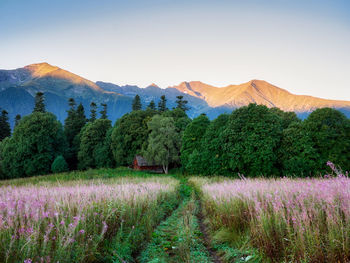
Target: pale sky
301	45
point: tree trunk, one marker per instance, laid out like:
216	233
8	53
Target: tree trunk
165	168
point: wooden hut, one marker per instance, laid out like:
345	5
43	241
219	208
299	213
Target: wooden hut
141	164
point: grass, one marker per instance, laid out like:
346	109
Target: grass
286	220
101	215
178	239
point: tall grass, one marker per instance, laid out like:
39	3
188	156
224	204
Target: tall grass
290	220
71	222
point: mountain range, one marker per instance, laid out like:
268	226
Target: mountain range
18	88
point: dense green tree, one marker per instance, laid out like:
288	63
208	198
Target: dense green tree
59	165
93	110
17	119
36	142
92	137
73	124
103	152
162	104
163	142
252	136
136	103
330	132
211	158
181	103
180	117
192	136
129	135
103	112
298	156
39	105
5	129
152	105
287	117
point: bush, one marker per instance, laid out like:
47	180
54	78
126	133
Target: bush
59	165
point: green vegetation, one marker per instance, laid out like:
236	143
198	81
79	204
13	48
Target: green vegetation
5	130
59	165
136	103
39	103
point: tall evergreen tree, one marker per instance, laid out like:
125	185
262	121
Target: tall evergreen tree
181	103
17	119
151	105
162	104
39	102
136	103
93	110
104	111
5	129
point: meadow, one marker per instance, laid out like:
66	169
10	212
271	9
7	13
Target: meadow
284	220
120	215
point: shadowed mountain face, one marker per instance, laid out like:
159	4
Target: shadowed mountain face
18	88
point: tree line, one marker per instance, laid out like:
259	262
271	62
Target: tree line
253	140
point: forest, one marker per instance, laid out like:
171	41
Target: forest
253	140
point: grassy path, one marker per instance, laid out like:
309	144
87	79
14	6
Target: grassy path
180	237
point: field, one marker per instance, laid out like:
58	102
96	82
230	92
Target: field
118	215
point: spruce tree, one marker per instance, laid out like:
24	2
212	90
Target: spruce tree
151	105
181	103
104	111
5	129
93	108
136	103
162	104
17	119
39	102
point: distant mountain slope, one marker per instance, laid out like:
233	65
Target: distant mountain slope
18	88
256	91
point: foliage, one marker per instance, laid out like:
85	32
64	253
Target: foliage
152	105
180	117
93	110
73	124
192	137
211	158
92	138
39	103
297	153
17	119
162	104
103	112
329	130
287	117
5	129
181	103
35	143
59	165
129	135
163	142
103	152
136	103
251	140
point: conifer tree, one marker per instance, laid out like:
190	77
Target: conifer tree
104	111
162	104
151	105
136	103
5	129
17	119
39	102
181	103
93	108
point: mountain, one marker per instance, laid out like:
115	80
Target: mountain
259	92
18	88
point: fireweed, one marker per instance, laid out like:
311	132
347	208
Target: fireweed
68	223
289	220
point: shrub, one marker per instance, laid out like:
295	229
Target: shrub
59	165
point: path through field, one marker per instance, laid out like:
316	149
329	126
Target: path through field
182	237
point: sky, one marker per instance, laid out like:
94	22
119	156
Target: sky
301	45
